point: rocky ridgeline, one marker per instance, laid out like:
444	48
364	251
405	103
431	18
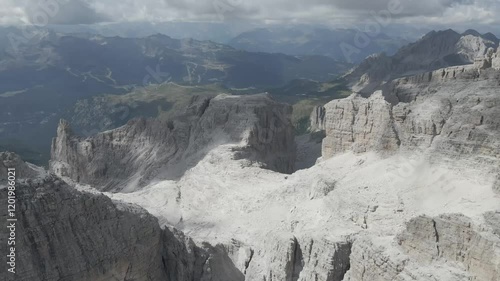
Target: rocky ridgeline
66	234
146	149
448	114
23	169
434	51
454	112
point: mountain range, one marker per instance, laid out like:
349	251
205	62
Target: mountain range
336	43
437	49
406	187
42	78
102	82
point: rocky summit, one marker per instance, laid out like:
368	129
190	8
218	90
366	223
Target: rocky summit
148	149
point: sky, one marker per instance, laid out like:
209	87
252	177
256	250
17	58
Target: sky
460	13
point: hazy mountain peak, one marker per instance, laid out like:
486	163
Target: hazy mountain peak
435	50
472	32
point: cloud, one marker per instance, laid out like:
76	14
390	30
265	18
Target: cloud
328	11
64	12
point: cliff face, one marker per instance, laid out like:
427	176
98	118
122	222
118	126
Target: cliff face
449	247
23	170
454	112
317	119
143	150
65	234
359	125
450	118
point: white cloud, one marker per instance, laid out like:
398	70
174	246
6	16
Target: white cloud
328	11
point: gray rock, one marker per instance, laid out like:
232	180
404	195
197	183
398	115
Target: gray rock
64	234
495	61
359	125
496	184
454	238
23	170
289	258
449	247
454	112
146	149
317	119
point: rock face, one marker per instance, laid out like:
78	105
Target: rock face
449	247
360	125
286	257
317	119
455	239
450	118
64	234
133	155
434	51
454	112
23	170
496	59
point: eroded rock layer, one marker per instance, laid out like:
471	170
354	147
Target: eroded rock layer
454	112
131	156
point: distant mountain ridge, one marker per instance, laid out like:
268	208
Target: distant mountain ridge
435	50
185	60
43	77
314	41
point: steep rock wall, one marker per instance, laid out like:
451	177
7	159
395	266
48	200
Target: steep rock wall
143	150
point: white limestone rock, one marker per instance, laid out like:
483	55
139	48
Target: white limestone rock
317	119
495	61
359	125
63	234
23	170
454	112
130	157
454	238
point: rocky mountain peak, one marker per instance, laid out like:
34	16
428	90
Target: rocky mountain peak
435	50
23	170
258	129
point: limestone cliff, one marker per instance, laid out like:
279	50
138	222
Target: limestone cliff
449	247
359	125
147	149
23	170
65	234
317	119
454	112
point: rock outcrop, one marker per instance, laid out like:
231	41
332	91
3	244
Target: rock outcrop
495	61
360	125
23	170
449	247
454	112
65	234
450	119
454	238
288	258
317	119
131	156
